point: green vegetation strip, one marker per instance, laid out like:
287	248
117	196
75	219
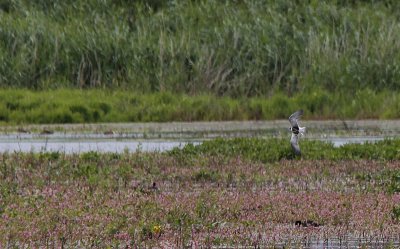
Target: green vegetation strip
235	48
19	106
219	193
272	150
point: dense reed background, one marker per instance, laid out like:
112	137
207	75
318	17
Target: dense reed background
235	48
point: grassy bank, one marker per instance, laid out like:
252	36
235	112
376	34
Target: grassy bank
91	106
198	198
235	48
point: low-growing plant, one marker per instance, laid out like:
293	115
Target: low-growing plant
91	106
226	194
206	175
276	149
396	212
394	182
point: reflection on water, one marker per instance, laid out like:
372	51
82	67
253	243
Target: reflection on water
87	142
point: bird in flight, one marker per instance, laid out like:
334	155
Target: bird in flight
296	130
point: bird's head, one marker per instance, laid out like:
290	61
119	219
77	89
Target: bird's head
290	129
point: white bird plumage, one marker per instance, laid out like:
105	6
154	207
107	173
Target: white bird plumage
296	130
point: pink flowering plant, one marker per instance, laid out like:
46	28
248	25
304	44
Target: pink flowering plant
197	199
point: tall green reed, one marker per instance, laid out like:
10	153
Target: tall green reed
235	48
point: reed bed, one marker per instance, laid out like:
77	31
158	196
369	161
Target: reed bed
230	48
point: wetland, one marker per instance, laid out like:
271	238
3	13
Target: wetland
233	188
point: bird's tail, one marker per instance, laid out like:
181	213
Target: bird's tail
302	130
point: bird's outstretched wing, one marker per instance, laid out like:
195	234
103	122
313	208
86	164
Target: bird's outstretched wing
294	118
294	143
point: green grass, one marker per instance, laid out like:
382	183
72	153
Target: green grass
19	106
234	48
272	150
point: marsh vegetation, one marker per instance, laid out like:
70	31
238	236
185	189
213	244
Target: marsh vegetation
21	106
235	48
72	61
249	195
169	61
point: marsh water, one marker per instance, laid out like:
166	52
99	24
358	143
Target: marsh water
165	136
79	145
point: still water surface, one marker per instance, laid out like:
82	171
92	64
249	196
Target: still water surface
120	137
76	144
